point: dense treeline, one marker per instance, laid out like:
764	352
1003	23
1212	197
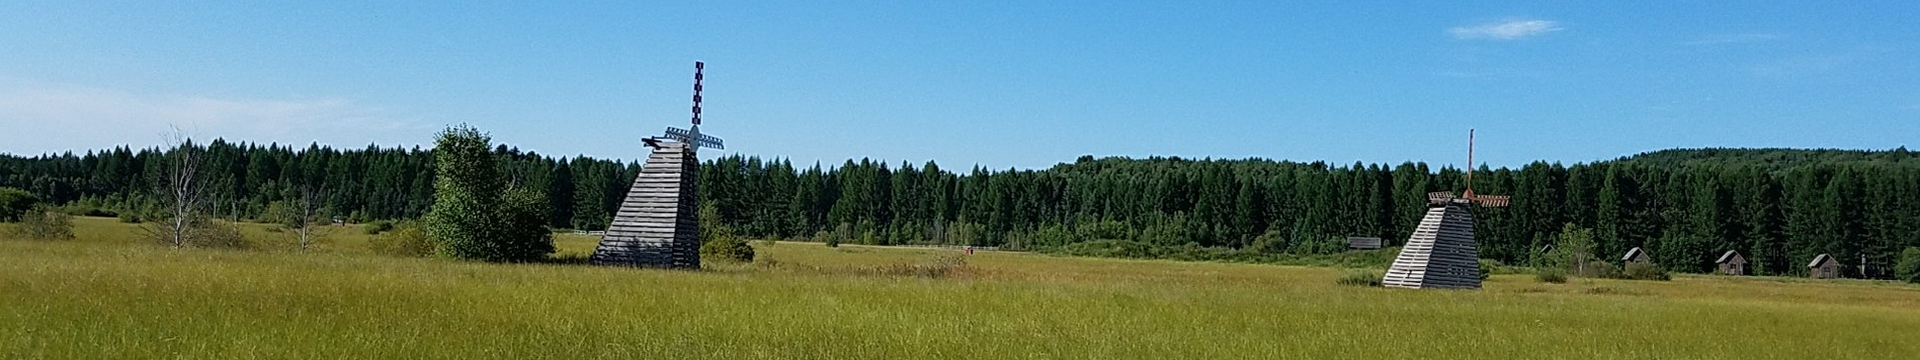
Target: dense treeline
1779	207
359	185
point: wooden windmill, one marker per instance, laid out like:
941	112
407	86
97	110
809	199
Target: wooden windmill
658	224
1442	253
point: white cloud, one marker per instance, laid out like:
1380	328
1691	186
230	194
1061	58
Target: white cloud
1505	30
52	119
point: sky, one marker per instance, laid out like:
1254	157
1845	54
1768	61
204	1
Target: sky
1016	84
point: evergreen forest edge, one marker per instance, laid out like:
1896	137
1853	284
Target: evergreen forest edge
1779	207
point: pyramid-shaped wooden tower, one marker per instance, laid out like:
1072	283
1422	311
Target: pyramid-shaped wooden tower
658	223
1442	253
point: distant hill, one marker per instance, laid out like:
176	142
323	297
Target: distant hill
1770	158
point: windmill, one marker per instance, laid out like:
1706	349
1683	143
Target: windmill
658	224
692	136
1442	253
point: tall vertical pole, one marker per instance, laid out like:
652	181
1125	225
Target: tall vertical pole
697	67
1470	164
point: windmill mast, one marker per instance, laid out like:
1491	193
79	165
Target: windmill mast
1470	164
698	67
692	136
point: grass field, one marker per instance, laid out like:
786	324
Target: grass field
107	296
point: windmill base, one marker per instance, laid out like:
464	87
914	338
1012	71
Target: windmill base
657	224
1440	254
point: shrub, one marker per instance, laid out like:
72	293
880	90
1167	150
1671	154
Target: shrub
44	224
1551	276
1908	267
469	218
129	217
717	240
200	232
1359	278
216	234
16	203
1599	269
405	240
1270	242
1487	267
377	227
1646	271
726	247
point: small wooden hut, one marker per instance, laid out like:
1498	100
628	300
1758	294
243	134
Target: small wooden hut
1635	256
1363	243
1731	263
1823	267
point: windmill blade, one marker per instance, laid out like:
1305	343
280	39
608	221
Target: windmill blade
700	140
1492	200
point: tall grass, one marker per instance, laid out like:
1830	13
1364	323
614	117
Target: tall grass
98	298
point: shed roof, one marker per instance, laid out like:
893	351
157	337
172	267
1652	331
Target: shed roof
1724	258
1359	242
1632	254
1820	260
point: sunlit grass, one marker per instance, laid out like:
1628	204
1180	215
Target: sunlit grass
108	296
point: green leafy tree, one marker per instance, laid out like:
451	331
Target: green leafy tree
469	218
16	202
1908	268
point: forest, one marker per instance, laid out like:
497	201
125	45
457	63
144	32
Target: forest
1779	207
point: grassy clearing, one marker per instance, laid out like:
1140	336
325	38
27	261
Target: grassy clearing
103	296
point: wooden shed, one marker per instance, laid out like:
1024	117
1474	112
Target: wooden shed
1363	243
1823	267
1635	256
1731	263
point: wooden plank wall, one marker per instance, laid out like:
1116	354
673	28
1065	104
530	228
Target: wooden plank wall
657	224
1440	254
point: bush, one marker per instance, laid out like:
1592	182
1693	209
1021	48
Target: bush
726	247
405	240
469	218
44	224
216	234
1908	267
1487	266
1599	269
377	227
16	203
1359	278
1646	271
1551	276
717	240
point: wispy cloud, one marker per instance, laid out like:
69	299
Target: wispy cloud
73	118
1505	30
1724	39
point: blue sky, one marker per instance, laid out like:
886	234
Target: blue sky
1001	84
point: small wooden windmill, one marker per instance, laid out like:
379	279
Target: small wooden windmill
658	222
1442	253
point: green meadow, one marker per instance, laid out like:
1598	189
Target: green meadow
108	295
